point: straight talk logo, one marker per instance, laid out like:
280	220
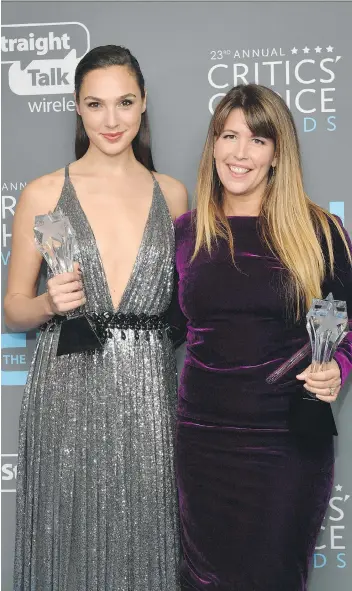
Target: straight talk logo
48	106
42	60
41	45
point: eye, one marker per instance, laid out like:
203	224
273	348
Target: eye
126	102
229	136
93	105
259	142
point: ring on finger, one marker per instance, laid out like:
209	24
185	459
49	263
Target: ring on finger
331	391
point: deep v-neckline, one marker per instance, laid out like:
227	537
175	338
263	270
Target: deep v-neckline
139	251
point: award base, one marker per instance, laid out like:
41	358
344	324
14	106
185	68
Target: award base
311	416
77	334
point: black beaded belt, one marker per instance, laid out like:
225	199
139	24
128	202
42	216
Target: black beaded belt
106	321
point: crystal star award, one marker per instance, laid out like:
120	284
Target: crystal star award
55	240
327	325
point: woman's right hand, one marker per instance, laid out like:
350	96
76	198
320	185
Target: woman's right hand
65	291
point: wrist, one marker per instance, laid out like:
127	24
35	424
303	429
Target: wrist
47	306
340	362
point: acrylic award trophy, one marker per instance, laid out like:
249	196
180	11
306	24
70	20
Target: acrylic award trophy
55	239
327	325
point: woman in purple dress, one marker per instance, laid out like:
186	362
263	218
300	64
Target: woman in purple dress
253	492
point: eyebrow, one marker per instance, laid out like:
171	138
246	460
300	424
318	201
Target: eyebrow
236	133
95	98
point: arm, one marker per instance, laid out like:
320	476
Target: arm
175	316
177	319
327	384
343	356
175	194
341	288
24	310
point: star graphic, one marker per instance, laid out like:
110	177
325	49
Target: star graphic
329	49
306	49
48	228
54	236
294	50
328	327
317	49
338	487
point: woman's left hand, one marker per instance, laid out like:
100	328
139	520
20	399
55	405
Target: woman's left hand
325	384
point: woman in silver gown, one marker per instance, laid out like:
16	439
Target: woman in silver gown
96	499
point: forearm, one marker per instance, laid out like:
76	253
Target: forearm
340	285
23	313
343	356
176	318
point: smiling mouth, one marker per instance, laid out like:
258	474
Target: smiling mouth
113	136
238	170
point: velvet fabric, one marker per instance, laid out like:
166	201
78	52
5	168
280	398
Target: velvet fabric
252	494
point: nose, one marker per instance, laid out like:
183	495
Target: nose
111	117
241	149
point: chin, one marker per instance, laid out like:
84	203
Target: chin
238	189
113	150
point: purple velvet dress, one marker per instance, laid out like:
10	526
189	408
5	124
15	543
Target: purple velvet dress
252	493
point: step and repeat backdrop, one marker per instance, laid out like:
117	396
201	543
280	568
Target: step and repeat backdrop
191	54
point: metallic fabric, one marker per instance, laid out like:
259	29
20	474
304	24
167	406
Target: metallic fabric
96	498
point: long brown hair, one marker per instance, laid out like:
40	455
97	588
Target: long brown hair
290	224
104	57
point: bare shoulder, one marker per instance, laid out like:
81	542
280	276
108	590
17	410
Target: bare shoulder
172	187
43	193
175	194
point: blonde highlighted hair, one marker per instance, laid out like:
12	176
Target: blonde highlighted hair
291	225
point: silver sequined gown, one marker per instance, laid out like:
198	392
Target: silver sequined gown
96	500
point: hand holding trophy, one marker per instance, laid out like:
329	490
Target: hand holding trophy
54	238
65	291
327	325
